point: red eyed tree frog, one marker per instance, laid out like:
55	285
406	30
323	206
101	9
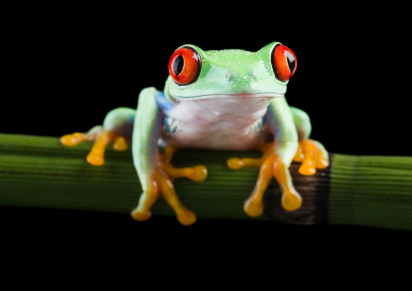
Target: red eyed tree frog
226	100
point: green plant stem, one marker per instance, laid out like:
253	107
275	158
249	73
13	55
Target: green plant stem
365	190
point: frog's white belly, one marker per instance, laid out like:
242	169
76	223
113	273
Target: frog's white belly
224	124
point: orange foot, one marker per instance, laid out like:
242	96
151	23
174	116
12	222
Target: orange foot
101	138
160	181
270	166
313	156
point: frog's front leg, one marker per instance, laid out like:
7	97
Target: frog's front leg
154	169
311	153
276	159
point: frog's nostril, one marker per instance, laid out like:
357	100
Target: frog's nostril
253	76
228	76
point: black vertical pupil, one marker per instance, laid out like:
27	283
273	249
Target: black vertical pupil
178	65
291	61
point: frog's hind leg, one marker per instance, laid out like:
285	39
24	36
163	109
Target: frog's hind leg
117	127
311	153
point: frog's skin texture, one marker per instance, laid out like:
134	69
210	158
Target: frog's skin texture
235	102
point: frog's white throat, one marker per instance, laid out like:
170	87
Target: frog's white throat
230	105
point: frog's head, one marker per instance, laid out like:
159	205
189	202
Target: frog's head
233	80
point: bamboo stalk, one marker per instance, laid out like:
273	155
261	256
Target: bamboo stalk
364	190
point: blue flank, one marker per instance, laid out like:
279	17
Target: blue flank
263	122
170	125
163	103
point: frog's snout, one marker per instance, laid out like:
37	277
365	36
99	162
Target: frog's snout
229	76
234	76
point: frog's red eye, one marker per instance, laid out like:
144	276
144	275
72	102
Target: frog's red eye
185	65
284	62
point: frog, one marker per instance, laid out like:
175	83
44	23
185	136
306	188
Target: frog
220	100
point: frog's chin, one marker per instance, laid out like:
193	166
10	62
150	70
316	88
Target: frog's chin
232	105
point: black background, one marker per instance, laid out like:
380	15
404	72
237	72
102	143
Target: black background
68	66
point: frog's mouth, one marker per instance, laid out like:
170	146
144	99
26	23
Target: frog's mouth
230	96
234	105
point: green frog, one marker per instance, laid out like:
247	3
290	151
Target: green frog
224	100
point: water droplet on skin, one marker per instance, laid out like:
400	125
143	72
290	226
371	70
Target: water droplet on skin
216	113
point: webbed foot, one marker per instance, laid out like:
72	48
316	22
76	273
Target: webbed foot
161	182
101	138
313	156
270	166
